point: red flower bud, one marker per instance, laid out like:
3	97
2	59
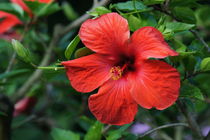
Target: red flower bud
25	105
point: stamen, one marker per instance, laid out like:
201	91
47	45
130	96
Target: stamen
116	72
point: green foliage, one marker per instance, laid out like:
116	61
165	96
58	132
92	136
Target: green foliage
22	52
117	134
61	134
11	8
130	6
95	132
184	14
205	64
71	47
190	91
152	2
98	11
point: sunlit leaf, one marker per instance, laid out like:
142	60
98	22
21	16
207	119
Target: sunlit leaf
61	134
71	47
95	132
205	64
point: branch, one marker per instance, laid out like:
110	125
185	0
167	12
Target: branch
191	121
194	32
161	127
58	33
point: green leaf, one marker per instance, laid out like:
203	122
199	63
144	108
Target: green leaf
184	14
71	47
191	91
82	52
131	6
152	2
95	132
205	64
134	23
13	73
69	11
48	9
22	52
99	11
12	8
116	134
61	134
179	26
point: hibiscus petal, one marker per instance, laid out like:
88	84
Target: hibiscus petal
113	103
150	43
156	85
88	73
8	21
105	34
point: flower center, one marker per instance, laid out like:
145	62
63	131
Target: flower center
117	71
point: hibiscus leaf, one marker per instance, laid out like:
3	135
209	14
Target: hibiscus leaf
48	9
191	91
116	134
179	26
71	47
134	23
98	11
152	2
94	132
205	64
130	6
184	14
61	134
12	8
82	52
13	73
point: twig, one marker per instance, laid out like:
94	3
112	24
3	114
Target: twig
45	61
191	121
196	34
106	128
161	127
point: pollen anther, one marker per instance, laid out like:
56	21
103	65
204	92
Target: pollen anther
116	72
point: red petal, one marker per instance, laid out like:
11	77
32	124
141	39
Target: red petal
22	4
106	34
150	43
8	22
156	85
88	73
113	103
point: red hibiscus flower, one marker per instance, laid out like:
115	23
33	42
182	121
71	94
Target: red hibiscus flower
6	23
22	4
122	69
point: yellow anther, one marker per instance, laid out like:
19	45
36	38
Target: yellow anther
116	72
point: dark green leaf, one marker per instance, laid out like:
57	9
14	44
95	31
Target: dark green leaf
191	91
48	9
116	134
82	52
184	14
61	134
99	11
152	2
94	133
69	11
179	26
13	73
71	47
205	64
12	8
130	6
